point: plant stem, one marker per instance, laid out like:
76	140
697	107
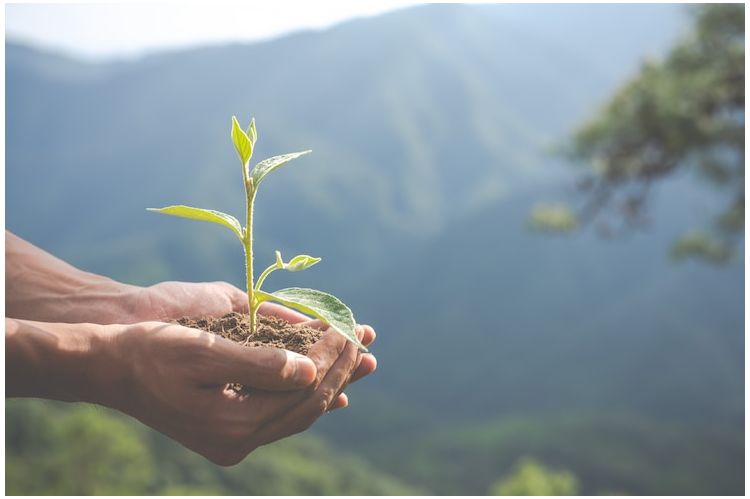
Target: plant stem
248	244
264	274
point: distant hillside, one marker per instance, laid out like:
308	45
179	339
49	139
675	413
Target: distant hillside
610	453
415	119
509	320
77	449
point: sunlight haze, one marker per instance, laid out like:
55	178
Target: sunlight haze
115	30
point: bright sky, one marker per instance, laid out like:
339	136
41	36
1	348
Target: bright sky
104	30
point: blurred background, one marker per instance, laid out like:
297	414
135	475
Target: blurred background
540	209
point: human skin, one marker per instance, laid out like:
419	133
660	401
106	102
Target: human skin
174	379
105	347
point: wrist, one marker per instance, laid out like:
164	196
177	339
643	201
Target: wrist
41	287
101	300
59	361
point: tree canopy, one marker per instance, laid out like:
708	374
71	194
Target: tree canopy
686	112
530	478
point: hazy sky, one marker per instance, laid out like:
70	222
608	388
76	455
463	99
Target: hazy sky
104	30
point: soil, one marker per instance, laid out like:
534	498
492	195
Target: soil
270	331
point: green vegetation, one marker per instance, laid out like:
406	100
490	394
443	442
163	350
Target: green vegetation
530	478
698	244
324	306
80	451
606	452
66	449
553	218
686	112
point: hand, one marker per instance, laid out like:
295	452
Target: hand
40	287
47	289
167	301
174	380
171	300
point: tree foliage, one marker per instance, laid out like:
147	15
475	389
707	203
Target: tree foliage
530	478
686	112
80	451
74	449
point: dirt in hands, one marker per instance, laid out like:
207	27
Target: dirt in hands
270	331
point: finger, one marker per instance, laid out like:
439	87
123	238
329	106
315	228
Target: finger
368	335
338	376
331	386
360	332
282	312
326	351
303	414
367	365
323	354
341	402
259	367
236	296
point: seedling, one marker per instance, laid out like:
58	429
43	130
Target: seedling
323	306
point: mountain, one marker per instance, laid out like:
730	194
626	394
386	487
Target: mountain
611	453
436	110
431	129
531	318
569	349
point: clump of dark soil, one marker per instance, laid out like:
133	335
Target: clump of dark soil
270	331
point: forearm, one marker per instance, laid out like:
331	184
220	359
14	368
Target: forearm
40	287
69	362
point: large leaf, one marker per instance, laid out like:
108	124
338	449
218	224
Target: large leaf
242	142
268	165
318	304
216	217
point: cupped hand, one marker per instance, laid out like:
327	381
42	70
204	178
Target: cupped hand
174	379
172	300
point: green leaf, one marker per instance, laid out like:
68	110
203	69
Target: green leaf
301	262
241	141
216	217
268	165
252	133
318	304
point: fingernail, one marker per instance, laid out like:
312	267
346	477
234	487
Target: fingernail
305	371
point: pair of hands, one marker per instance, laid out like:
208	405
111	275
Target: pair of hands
101	341
180	374
174	378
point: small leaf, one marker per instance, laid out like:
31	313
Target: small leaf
318	304
301	262
556	217
242	143
252	133
268	165
216	217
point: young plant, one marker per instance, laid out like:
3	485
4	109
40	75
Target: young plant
323	306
